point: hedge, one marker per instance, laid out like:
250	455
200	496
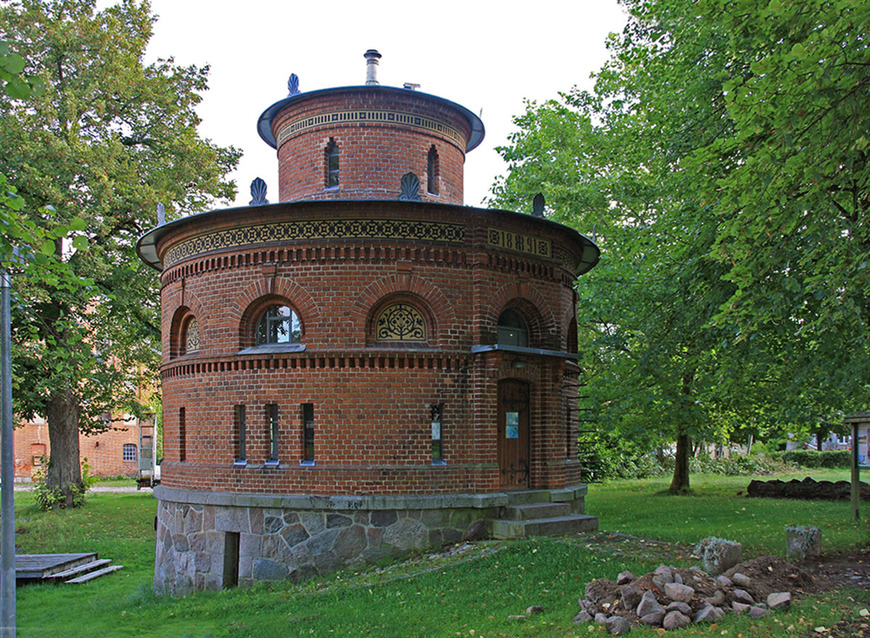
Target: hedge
814	458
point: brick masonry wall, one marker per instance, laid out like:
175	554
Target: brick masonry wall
374	154
374	435
104	452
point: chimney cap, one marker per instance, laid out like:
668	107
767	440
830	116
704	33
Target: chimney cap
372	56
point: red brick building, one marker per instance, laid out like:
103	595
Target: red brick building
114	452
367	367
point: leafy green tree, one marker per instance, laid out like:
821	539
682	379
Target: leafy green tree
722	160
108	138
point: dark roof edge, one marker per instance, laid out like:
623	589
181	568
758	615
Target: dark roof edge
264	122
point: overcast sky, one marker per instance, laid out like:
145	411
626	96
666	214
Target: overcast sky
486	56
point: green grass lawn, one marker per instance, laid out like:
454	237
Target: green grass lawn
473	593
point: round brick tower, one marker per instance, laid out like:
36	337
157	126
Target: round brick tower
366	368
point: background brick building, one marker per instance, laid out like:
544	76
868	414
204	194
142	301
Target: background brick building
367	367
114	452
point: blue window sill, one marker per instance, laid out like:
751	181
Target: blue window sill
307	463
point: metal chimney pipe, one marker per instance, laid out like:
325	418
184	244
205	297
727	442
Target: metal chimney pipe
372	56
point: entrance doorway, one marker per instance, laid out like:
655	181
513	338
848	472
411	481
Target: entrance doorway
513	433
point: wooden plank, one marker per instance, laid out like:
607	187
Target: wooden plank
29	566
96	574
87	567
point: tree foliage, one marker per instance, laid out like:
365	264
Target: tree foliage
721	268
93	154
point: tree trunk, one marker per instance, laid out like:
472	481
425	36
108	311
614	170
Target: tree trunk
821	437
64	468
680	481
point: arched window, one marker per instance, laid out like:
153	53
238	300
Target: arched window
278	324
190	338
401	322
512	329
432	171
332	168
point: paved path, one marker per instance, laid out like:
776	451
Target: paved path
27	487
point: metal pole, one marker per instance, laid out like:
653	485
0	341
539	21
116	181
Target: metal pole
856	478
7	467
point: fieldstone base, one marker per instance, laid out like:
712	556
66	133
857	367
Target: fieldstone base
211	540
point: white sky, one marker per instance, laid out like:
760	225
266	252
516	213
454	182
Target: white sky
481	54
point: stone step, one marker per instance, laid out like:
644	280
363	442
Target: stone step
92	575
536	510
559	526
528	497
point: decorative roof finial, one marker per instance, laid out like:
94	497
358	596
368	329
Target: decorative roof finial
258	193
538	205
161	214
372	60
293	84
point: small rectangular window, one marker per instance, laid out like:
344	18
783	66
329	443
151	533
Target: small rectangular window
272	431
240	434
308	433
182	435
129	452
436	412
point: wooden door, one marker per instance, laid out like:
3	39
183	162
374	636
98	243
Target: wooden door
513	433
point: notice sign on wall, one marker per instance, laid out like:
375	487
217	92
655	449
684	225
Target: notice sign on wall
512	425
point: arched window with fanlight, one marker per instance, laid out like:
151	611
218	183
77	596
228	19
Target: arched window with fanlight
190	337
278	324
512	329
401	323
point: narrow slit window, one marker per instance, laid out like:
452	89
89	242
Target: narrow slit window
436	414
332	167
432	172
241	434
569	430
272	431
182	435
308	433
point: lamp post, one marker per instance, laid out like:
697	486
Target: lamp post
7	465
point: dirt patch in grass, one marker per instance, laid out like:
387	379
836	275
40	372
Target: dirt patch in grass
831	571
634	547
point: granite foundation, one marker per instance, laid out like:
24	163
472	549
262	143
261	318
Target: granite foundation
216	540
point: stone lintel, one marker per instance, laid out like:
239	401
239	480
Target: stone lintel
350	503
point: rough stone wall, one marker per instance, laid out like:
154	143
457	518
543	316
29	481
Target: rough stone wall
278	544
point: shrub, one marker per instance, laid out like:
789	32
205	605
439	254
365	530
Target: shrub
737	465
814	458
48	498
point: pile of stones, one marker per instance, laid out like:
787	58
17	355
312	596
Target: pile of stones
673	598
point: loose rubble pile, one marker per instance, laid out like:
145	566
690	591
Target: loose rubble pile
673	598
